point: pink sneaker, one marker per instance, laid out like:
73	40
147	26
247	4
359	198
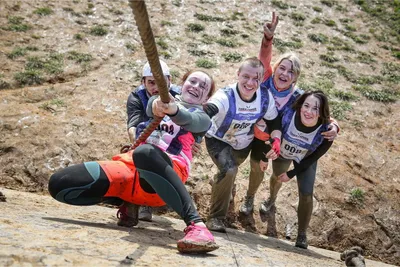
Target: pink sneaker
197	240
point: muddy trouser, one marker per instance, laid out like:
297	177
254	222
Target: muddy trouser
305	184
88	183
227	160
256	174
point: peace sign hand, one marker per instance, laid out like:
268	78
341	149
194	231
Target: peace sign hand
269	27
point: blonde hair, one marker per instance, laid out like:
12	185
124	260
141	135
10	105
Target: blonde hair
294	59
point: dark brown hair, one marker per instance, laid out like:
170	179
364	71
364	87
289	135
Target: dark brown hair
212	87
324	113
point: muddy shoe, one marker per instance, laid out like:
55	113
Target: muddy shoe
145	213
266	206
301	241
125	148
216	225
128	215
247	207
198	239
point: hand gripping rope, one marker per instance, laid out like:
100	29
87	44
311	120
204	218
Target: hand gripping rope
146	34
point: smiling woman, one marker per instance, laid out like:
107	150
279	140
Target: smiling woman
302	144
314	107
309	112
155	172
286	71
197	87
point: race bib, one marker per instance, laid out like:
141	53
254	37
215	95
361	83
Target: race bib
292	151
164	133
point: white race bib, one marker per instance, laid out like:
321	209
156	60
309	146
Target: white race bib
292	151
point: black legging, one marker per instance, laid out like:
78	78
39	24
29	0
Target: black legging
155	167
87	183
81	184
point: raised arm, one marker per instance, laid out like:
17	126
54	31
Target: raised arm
265	54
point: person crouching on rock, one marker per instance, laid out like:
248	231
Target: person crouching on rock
155	172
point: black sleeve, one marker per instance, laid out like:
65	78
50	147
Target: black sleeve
210	109
259	149
135	110
275	124
306	162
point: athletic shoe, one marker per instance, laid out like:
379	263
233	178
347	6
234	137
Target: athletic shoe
145	213
125	148
216	225
197	240
266	206
128	215
301	241
247	207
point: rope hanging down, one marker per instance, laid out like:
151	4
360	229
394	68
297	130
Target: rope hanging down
146	34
